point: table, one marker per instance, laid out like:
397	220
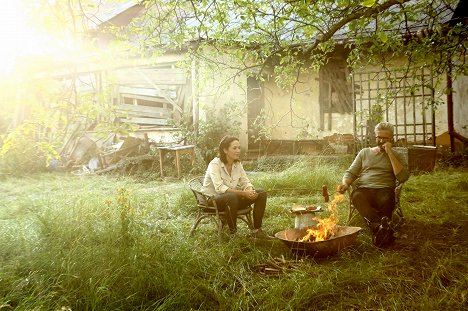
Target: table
178	150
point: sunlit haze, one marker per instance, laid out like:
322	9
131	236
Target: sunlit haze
20	38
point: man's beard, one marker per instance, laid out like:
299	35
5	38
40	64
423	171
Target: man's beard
381	147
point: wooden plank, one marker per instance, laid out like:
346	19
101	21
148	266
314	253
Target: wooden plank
151	121
338	81
156	115
164	89
156	87
155	75
163	112
181	94
147	98
131	91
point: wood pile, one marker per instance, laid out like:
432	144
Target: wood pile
95	153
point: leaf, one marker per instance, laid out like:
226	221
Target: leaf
383	36
368	3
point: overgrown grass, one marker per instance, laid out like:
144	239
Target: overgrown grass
107	243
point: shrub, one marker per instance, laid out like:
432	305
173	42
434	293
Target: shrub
25	151
210	131
445	158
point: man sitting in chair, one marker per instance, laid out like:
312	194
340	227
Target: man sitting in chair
374	172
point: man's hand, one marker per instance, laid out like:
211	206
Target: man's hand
342	188
387	146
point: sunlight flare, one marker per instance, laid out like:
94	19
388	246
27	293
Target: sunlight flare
21	39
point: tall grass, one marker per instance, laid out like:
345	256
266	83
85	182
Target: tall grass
107	243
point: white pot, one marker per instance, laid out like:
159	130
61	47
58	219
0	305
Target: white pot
305	219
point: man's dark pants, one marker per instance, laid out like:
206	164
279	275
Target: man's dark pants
373	204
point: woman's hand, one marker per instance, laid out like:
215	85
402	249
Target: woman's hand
250	193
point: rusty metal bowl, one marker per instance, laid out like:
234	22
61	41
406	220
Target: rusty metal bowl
344	237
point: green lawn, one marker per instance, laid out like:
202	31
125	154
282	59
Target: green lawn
117	243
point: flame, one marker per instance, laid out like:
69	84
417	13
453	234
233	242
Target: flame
325	228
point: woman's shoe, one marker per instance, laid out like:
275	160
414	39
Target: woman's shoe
259	234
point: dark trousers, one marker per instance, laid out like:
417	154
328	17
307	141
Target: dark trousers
373	204
231	203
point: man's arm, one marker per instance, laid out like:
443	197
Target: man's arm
351	173
400	171
396	164
346	182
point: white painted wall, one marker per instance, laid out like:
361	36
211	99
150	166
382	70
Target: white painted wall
297	116
460	105
220	87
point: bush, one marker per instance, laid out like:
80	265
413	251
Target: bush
210	131
22	152
445	158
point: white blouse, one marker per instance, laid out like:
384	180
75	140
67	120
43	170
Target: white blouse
218	180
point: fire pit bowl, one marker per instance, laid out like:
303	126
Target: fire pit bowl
344	236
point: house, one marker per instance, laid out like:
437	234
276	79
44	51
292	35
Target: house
338	103
334	106
148	94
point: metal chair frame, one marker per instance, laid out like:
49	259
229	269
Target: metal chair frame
397	211
207	208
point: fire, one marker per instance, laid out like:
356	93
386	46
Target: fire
325	228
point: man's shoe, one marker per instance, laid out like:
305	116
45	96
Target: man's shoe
259	234
383	234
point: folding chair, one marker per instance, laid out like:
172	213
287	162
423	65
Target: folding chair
210	210
397	211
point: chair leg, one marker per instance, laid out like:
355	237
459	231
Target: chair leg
399	220
350	208
219	226
195	224
244	219
399	212
200	217
249	221
351	212
220	222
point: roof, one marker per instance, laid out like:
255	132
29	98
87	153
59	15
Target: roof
103	12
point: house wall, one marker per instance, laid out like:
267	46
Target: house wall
296	116
460	106
441	105
218	88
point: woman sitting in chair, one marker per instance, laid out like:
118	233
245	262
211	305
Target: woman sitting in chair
226	180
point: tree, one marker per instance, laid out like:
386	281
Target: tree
296	35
